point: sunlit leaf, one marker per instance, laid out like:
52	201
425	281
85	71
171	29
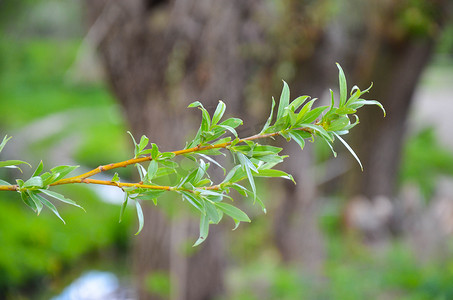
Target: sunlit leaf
141	220
343	86
349	149
204	230
60	197
218	114
284	100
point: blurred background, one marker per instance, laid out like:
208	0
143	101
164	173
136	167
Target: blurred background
76	75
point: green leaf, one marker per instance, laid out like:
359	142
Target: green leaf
219	111
123	206
212	213
248	166
192	199
115	177
305	109
152	169
136	148
33	182
204	230
350	150
339	123
38	169
28	201
60	197
150	194
13	163
234	212
37	200
142	172
284	100
345	110
230	129
269	120
312	115
141	219
213	161
232	122
296	103
274	173
51	207
154	151
343	86
4	141
362	102
298	137
62	171
143	143
319	129
165	156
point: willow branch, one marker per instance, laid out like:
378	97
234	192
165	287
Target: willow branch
84	178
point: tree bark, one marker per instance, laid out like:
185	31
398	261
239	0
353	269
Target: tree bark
392	55
160	56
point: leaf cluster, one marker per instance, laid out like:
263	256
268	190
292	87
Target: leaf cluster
296	120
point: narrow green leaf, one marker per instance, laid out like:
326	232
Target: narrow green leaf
51	207
297	137
165	156
233	212
123	206
230	129
38	169
339	123
115	177
219	111
345	110
37	200
28	201
143	143
154	151
213	161
343	86
4	141
62	171
274	173
195	104
204	230
362	102
305	109
141	219
142	172
269	120
284	100
350	150
14	162
318	129
312	115
60	197
212	213
152	169
296	103
193	200
247	167
232	122
136	148
33	182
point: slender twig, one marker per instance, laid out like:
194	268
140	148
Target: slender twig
84	178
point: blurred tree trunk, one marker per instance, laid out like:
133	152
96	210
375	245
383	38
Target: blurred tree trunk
390	46
159	57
